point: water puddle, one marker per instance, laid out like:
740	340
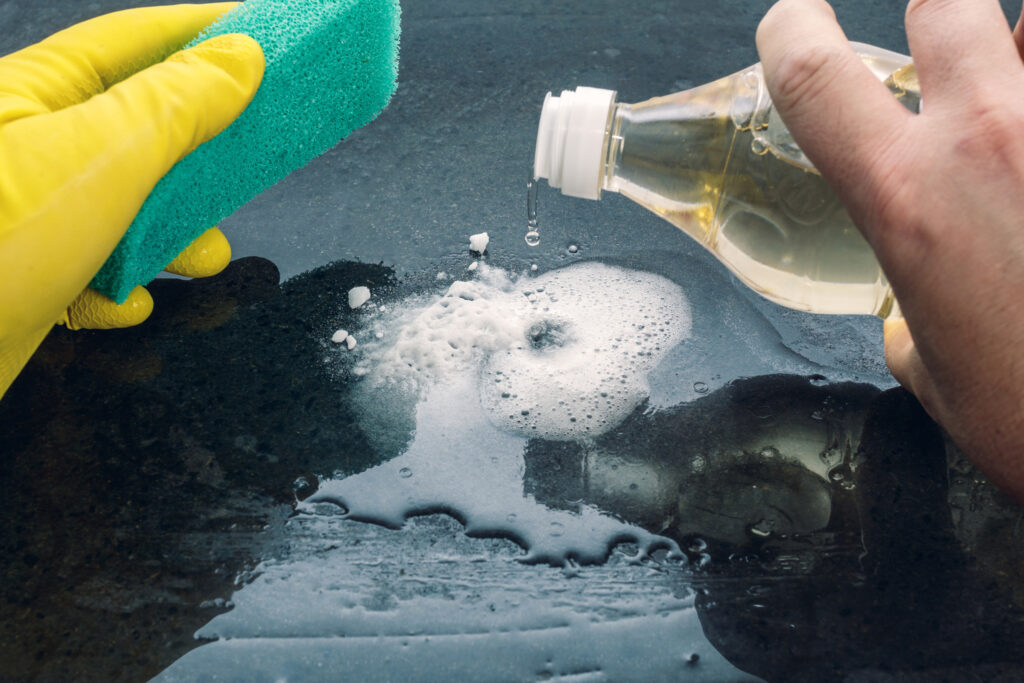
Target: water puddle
470	376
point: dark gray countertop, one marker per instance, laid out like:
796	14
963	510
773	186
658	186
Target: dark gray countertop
184	497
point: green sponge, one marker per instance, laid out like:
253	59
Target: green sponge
331	66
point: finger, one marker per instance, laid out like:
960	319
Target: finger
15	350
903	360
825	94
100	161
94	311
958	44
208	254
81	61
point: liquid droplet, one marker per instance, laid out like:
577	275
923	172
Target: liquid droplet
532	232
405	473
761	529
700	387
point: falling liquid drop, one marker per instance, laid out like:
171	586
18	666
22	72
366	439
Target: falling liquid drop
532	232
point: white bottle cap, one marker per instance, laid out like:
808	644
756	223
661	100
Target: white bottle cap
571	140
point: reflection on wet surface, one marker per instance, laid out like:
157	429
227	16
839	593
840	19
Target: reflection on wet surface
177	480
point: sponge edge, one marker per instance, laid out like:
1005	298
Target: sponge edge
331	67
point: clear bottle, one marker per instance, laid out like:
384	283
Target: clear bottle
717	162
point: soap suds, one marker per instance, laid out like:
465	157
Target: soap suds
561	355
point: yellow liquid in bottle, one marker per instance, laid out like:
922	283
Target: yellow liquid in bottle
721	167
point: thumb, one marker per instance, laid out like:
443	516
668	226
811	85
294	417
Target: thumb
904	361
86	170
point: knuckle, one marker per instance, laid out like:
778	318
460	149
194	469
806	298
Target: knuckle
991	132
803	71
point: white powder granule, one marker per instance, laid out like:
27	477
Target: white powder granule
478	243
357	296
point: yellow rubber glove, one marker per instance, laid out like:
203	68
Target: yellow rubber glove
90	119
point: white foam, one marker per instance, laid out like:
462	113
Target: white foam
339	336
473	266
478	242
592	333
357	296
350	342
562	355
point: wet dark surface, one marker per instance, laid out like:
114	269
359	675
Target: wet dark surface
146	465
150	478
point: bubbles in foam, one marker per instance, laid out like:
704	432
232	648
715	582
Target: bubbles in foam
562	355
592	333
431	339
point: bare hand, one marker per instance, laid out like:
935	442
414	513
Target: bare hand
938	195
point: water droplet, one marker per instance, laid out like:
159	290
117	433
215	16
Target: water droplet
511	517
304	486
573	248
532	186
758	146
700	387
696	544
769	452
405	473
840	474
761	529
557	529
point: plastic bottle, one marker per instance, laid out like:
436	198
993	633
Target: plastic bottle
717	162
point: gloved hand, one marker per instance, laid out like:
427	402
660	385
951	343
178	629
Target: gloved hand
90	119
